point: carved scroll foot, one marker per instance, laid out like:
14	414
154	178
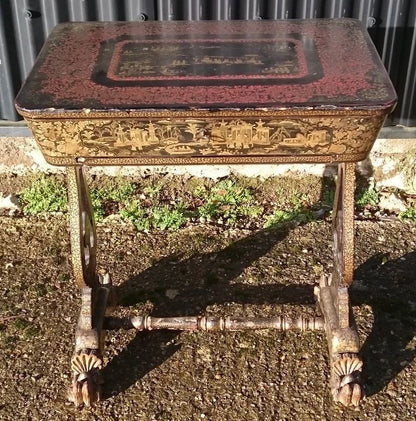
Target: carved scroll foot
343	342
86	380
346	387
87	362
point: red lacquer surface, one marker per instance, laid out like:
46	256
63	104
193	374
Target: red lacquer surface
329	63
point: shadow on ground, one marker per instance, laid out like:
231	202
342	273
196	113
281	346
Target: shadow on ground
200	281
389	288
209	279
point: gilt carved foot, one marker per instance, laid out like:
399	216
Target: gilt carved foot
346	385
86	380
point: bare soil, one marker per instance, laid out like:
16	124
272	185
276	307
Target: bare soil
213	270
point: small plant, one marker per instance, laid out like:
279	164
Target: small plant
7	341
97	204
153	190
118	191
227	200
133	211
166	217
40	289
367	198
409	213
280	217
21	324
163	217
45	194
26	328
295	211
30	332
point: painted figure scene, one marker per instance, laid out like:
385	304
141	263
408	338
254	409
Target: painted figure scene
190	137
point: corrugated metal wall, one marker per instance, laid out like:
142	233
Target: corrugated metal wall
24	25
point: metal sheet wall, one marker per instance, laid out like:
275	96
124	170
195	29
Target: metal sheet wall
24	25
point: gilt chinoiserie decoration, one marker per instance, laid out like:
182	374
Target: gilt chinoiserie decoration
213	92
310	139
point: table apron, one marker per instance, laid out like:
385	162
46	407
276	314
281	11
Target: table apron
176	141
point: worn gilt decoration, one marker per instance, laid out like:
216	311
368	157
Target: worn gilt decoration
346	379
213	324
87	360
86	384
170	93
65	141
83	236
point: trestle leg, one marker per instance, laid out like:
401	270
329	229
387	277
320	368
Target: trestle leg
333	297
87	359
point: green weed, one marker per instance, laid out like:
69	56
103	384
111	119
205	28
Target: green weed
117	191
7	342
168	218
409	214
27	329
162	205
40	289
21	324
64	277
45	194
366	198
227	200
281	190
296	210
280	217
153	190
30	332
133	211
298	201
163	217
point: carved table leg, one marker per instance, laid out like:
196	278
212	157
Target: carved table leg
87	359
343	341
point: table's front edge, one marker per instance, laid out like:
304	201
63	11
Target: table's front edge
86	113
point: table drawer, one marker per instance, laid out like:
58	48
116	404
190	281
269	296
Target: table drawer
193	139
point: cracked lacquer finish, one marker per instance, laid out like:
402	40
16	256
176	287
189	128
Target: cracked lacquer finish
171	93
185	65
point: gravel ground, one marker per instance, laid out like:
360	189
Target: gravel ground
200	376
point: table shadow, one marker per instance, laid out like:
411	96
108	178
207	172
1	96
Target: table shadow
388	286
201	280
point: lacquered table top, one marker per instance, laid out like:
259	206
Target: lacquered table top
309	64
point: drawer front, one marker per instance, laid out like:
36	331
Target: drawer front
195	140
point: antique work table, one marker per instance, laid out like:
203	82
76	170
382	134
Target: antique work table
172	93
